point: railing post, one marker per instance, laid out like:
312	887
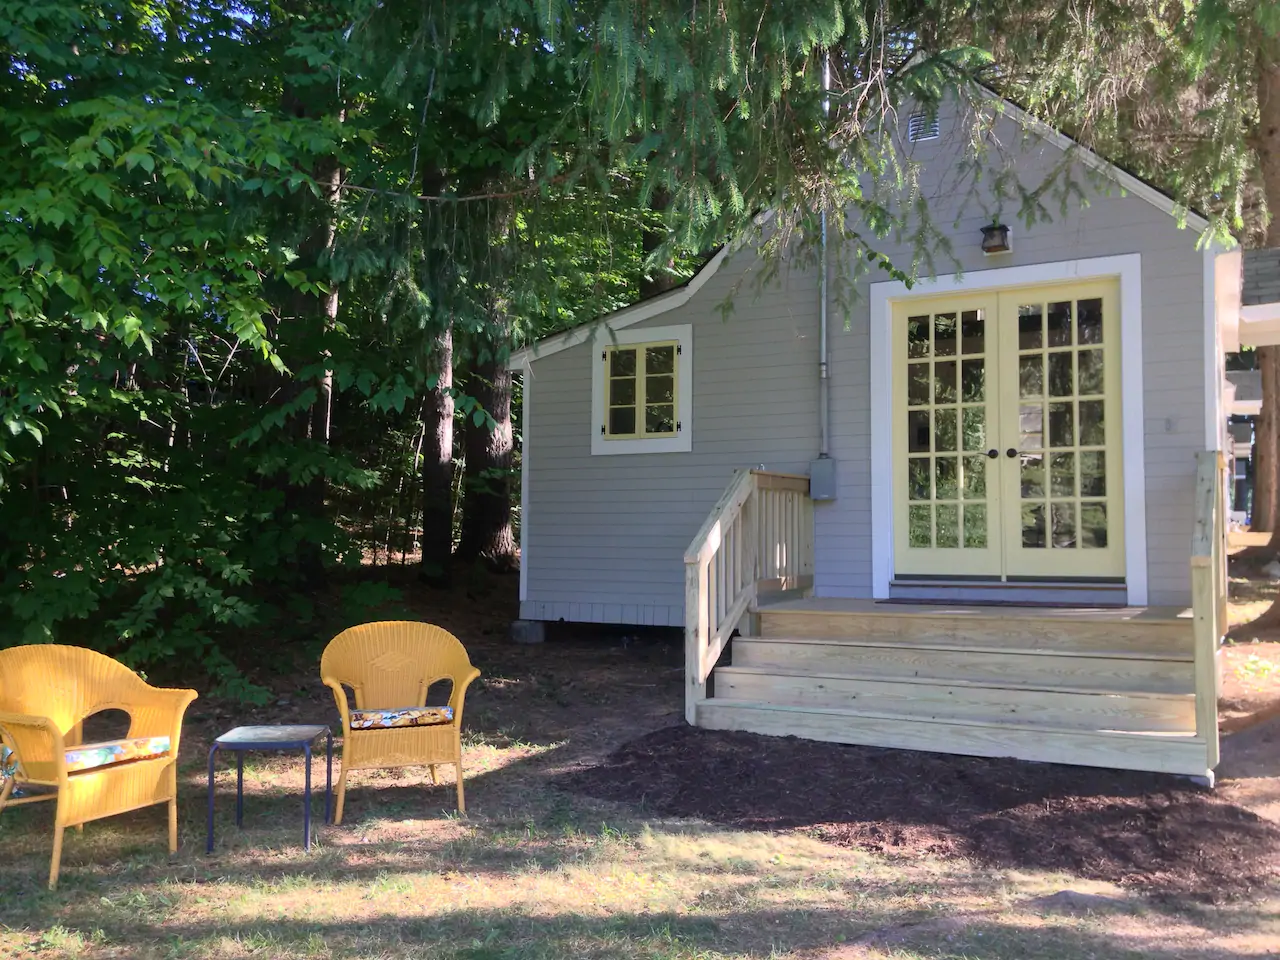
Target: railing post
695	641
1208	591
751	536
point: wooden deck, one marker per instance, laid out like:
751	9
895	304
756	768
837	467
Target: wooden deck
1108	686
1098	687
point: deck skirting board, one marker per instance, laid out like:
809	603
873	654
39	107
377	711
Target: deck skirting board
1158	753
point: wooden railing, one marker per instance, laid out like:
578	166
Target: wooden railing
758	537
1209	595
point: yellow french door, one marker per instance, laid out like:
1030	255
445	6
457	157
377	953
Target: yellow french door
1007	456
945	404
1060	426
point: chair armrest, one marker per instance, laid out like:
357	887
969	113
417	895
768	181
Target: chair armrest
340	697
158	712
36	740
459	693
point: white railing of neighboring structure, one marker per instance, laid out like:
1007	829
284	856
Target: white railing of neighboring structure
759	537
1209	595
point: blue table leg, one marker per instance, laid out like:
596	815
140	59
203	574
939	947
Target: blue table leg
328	776
208	848
240	788
306	801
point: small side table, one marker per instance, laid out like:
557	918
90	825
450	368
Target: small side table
278	737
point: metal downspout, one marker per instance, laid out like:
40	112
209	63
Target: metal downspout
824	407
824	403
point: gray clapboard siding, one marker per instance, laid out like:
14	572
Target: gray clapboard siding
605	534
1173	360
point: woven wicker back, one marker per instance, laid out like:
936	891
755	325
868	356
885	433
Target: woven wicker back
65	684
393	663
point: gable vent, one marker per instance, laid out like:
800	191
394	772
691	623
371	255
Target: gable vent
922	126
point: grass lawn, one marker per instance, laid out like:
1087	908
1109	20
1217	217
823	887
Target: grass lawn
535	870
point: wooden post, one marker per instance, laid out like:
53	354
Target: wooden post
1206	553
695	642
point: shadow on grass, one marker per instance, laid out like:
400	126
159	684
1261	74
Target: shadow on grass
870	931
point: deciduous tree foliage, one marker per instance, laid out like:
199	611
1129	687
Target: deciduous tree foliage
136	313
253	241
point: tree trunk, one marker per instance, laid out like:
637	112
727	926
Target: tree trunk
1263	518
487	532
1266	476
660	278
1266	482
437	466
311	318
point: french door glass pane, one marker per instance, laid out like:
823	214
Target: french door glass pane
1030	327
918	337
944	382
917	384
944	335
1090	325
975	428
920	478
975	526
920	525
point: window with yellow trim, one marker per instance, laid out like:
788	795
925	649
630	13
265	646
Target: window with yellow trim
641	391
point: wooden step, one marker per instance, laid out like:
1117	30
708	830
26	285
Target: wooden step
1077	709
1116	671
1158	752
1161	631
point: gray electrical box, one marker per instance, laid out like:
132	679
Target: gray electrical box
822	479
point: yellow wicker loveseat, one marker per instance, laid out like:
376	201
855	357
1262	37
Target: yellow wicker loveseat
46	692
389	667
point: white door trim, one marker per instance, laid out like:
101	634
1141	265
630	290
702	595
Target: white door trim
1128	268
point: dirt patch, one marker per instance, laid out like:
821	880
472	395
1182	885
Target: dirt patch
1250	684
1147	831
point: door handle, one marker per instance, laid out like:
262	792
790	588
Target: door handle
1011	453
993	453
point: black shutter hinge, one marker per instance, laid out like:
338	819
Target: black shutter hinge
679	349
679	426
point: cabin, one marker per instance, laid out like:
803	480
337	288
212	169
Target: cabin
981	514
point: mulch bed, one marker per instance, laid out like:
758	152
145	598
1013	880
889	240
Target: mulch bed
1158	833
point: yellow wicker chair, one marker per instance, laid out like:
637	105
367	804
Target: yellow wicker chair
46	692
389	667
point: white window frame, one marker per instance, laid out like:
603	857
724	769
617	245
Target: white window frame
682	442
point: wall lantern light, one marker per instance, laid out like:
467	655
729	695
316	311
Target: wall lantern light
996	239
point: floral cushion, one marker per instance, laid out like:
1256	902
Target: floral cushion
8	763
111	752
400	717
